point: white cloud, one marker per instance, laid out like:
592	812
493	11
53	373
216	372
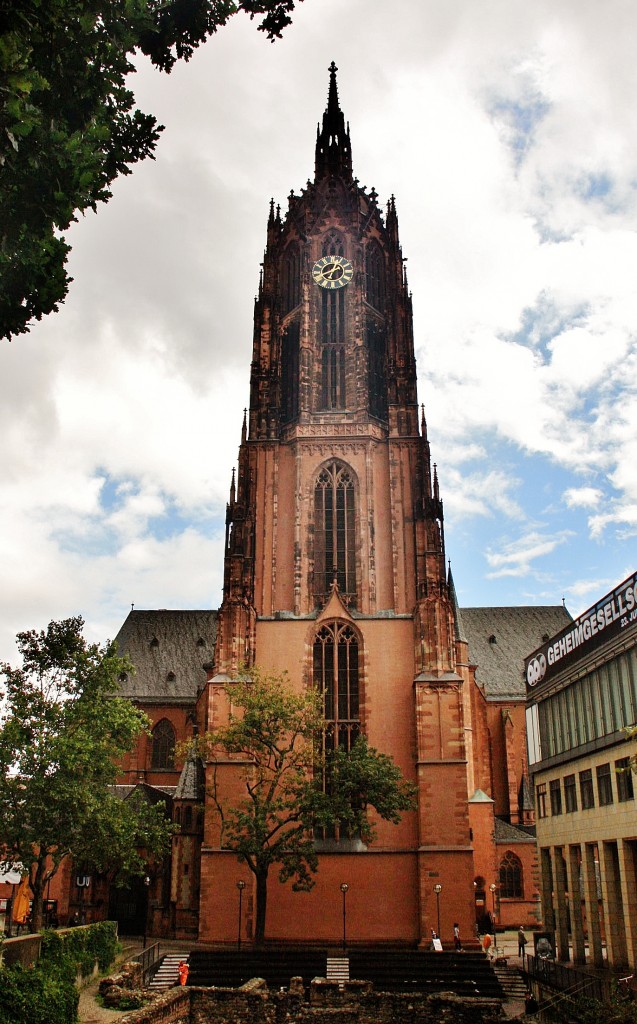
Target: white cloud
582	497
506	134
518	556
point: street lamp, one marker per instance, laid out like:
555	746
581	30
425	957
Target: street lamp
344	888
438	890
147	890
240	886
492	889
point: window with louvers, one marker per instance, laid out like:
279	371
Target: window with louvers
291	278
332	334
375	276
290	372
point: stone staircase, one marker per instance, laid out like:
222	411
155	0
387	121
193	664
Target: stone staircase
168	973
511	981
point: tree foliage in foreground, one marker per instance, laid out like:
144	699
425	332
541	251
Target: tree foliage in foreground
292	789
62	733
68	126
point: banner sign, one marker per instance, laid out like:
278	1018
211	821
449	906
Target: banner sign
614	613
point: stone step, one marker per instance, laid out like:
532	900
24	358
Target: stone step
167	974
511	981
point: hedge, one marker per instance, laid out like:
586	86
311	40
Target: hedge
46	993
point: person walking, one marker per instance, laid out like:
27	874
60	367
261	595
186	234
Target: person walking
183	972
521	941
456	937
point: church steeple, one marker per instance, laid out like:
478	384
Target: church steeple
333	149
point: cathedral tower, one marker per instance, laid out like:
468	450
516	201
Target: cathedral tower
335	562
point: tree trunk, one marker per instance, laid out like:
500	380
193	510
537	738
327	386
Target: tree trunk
262	901
37	888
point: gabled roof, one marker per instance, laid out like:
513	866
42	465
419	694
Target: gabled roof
507	833
501	638
169	650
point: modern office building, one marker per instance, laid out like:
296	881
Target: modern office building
581	707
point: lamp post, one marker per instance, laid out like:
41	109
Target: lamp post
146	890
344	888
240	886
492	889
438	890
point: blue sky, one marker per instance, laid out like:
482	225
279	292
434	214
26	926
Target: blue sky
506	132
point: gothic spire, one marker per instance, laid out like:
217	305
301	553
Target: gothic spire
333	149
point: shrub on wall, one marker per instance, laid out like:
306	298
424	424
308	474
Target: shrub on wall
45	993
42	994
81	947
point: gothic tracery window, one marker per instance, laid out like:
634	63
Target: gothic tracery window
377	369
290	370
332	334
375	276
335	532
291	278
336	676
511	876
163	754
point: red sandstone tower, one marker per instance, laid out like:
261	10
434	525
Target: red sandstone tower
334	485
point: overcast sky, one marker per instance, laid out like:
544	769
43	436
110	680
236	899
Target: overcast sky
506	131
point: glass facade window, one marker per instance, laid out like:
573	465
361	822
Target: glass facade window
555	791
604	785
587	796
600	704
570	793
540	799
625	790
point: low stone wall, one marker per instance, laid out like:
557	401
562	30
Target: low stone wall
356	1003
24	949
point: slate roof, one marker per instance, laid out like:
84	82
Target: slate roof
516	632
169	650
507	833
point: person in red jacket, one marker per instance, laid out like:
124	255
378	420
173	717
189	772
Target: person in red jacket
183	972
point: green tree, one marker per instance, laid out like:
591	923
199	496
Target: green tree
62	732
68	126
291	789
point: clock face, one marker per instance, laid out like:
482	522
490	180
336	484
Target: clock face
332	272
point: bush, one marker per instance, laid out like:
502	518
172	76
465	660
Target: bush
43	994
46	993
81	947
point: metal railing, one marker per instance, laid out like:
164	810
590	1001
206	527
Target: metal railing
568	979
148	959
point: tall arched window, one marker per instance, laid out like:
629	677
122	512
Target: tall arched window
163	755
290	372
333	392
335	532
511	877
291	278
375	276
336	676
377	369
